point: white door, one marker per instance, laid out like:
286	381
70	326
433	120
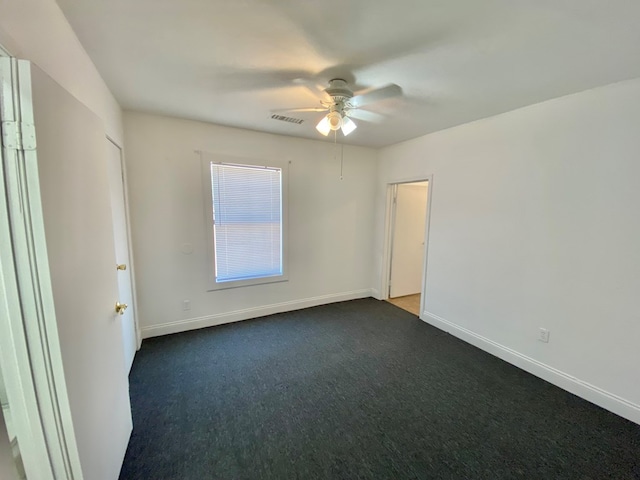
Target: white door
407	253
72	160
120	236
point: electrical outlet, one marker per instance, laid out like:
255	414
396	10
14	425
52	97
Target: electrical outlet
544	335
186	305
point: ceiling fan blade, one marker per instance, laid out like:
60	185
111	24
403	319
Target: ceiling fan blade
372	96
309	109
315	89
233	79
365	115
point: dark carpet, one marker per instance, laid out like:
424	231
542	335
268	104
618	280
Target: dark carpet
357	390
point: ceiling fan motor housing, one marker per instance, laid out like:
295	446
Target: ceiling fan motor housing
339	91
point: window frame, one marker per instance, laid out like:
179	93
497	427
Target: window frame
207	160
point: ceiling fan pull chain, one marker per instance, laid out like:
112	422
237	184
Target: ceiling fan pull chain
335	145
335	150
341	159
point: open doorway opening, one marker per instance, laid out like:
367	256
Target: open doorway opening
407	235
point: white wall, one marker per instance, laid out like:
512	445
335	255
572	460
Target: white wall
38	31
535	223
330	222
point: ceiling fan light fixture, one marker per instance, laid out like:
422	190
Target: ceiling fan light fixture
324	127
348	126
340	103
335	120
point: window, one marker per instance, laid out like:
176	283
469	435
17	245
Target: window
247	227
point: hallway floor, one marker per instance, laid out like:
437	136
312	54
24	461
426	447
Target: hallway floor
410	303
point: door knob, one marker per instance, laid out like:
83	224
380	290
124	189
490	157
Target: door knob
120	308
122	266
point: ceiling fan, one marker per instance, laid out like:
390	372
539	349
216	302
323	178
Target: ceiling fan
344	105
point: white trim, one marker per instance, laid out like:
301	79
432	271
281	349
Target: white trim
393	214
248	313
14	358
389	223
34	326
425	256
375	293
585	390
386	247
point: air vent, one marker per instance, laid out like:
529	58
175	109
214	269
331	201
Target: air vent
297	121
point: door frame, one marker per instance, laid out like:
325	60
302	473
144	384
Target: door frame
389	224
31	356
125	188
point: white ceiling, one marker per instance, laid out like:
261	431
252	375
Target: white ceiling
232	62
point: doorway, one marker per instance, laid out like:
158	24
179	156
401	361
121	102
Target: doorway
407	237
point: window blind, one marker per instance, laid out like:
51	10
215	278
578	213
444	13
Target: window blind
247	221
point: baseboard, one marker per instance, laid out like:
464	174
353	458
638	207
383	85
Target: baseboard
591	393
375	293
248	313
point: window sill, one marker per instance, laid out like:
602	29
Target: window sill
214	286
